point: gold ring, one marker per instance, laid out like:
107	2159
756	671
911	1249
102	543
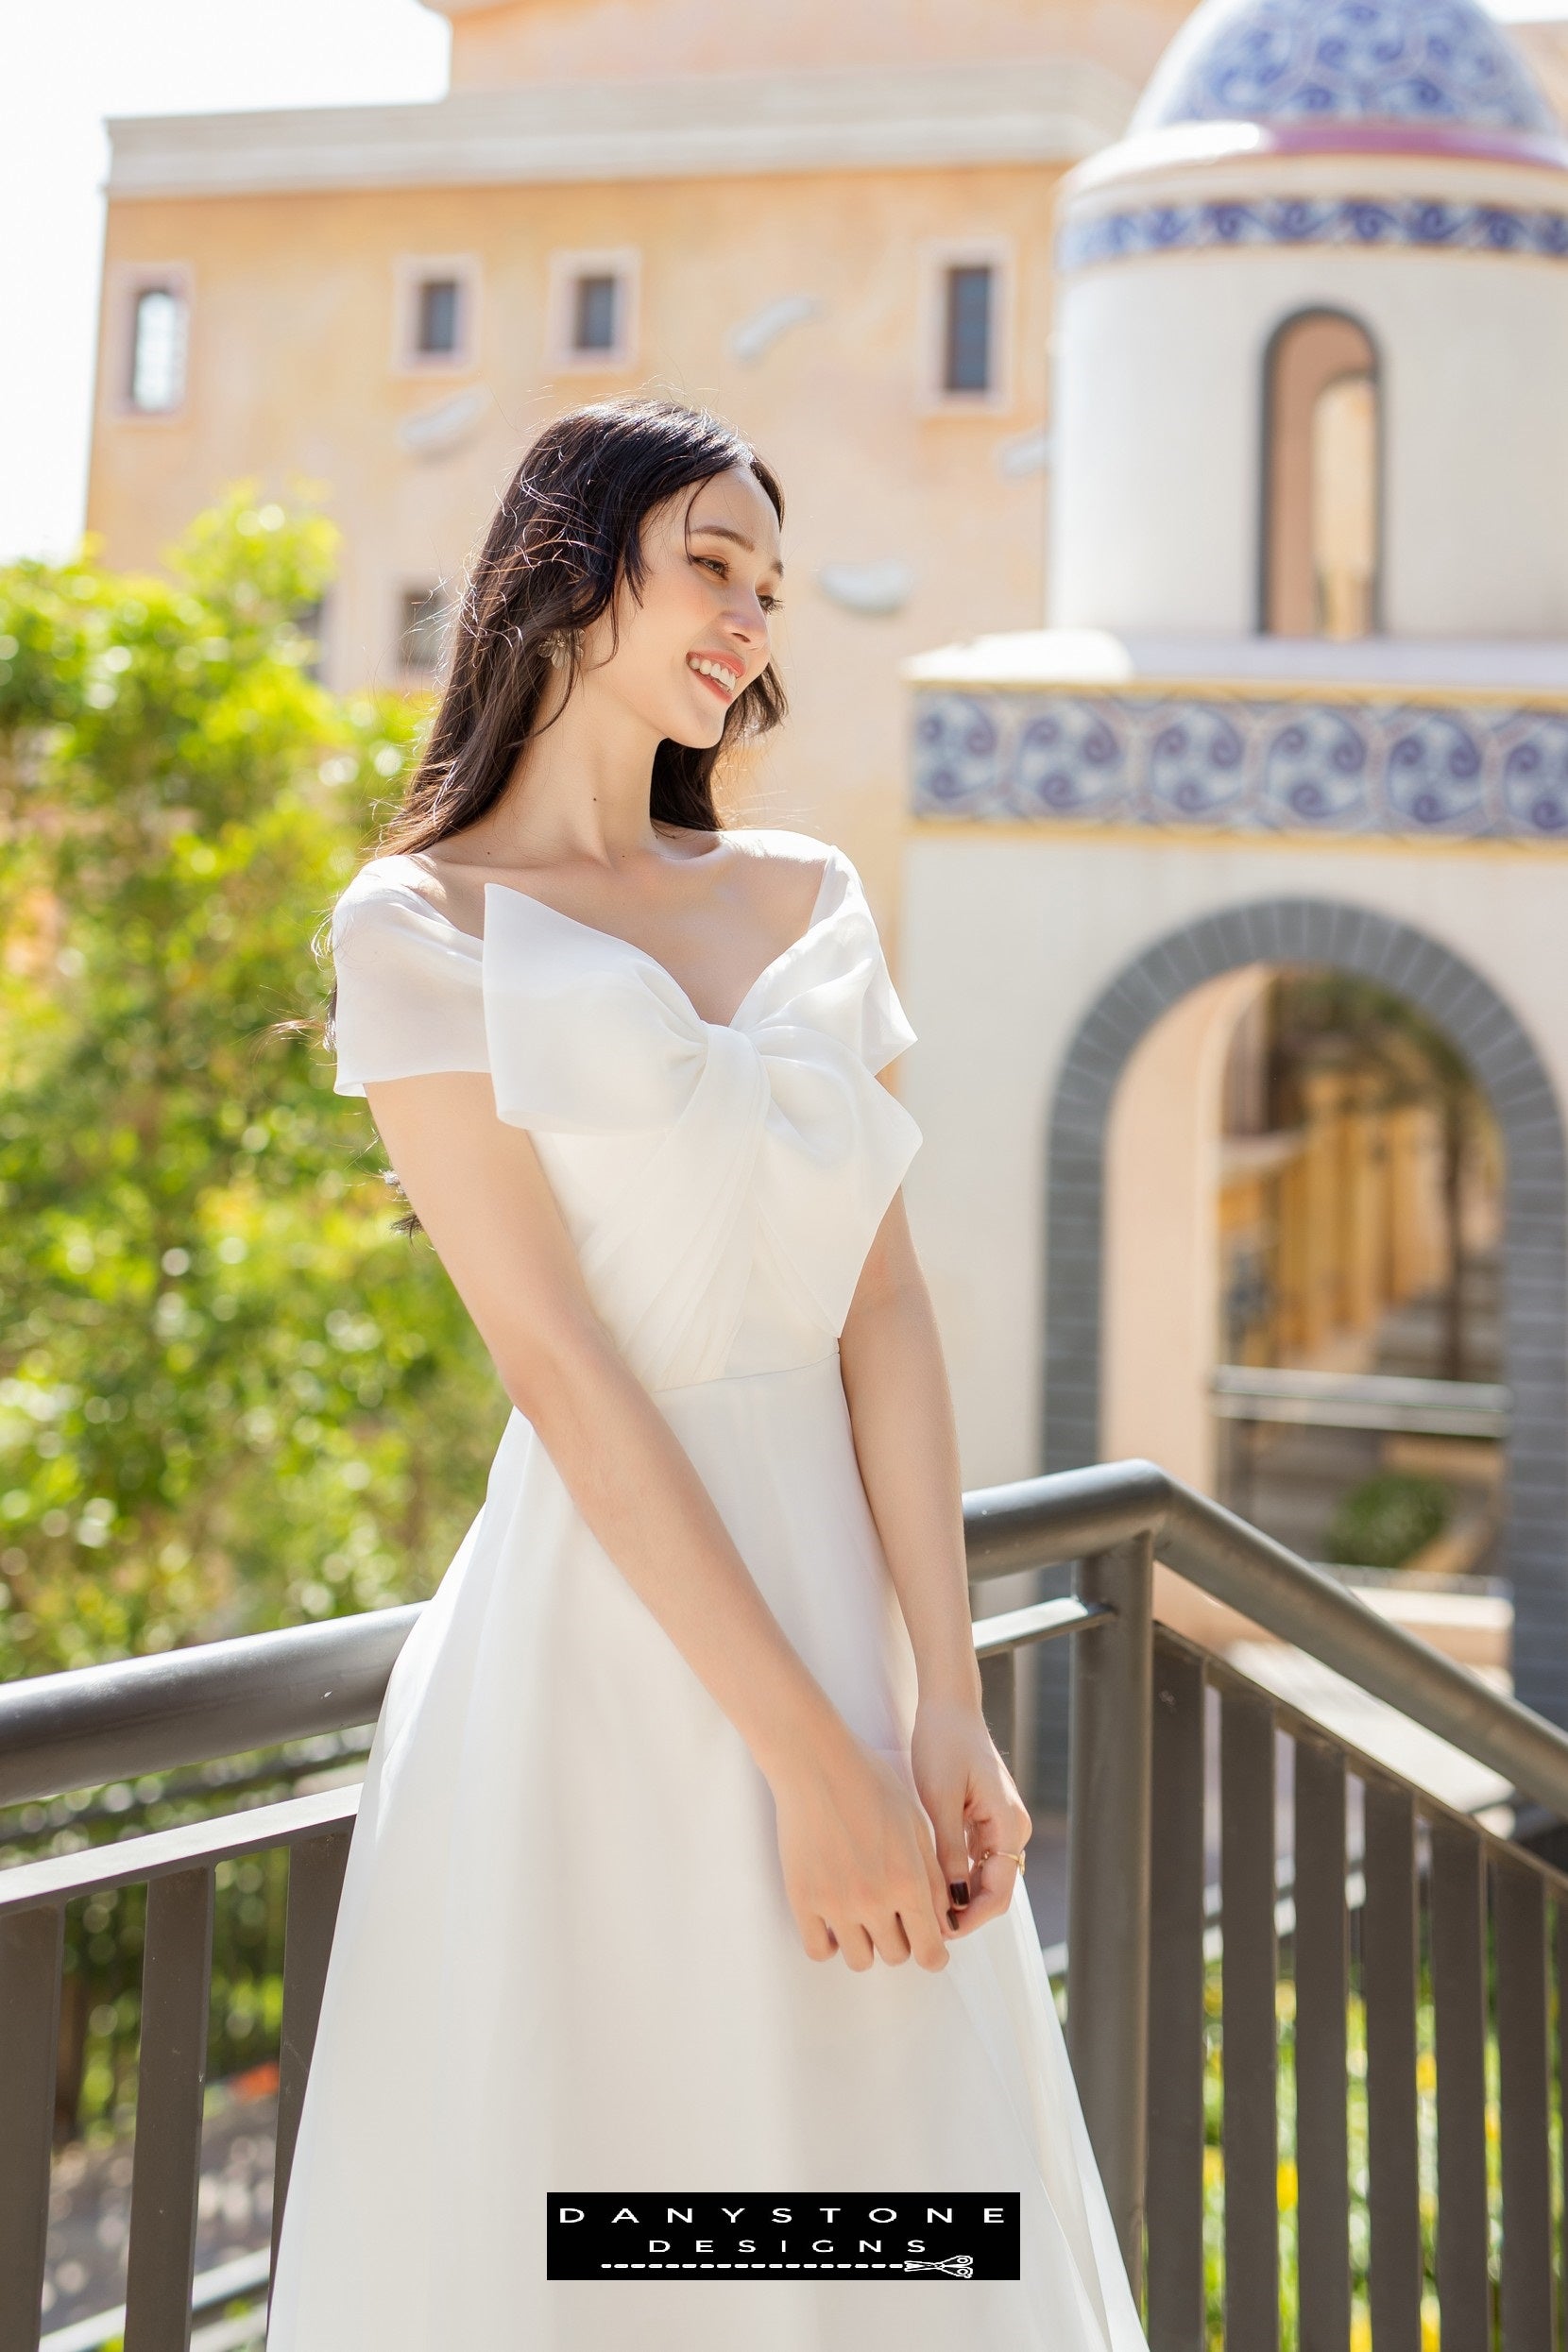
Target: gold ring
1000	1854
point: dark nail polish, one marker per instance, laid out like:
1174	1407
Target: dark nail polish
952	1916
959	1892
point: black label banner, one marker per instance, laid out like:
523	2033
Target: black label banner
663	2234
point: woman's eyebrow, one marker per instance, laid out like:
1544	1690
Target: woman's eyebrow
723	531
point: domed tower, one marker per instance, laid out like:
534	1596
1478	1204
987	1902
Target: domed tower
1306	672
1313	334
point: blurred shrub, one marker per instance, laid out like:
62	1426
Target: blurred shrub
231	1397
1386	1520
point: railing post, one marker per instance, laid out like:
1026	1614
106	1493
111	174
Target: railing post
999	1703
31	1948
1108	1897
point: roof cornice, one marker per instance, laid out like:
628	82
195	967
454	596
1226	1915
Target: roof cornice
1028	111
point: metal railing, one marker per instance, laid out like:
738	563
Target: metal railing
1140	2041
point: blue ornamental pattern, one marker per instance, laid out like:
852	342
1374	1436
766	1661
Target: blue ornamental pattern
1407	768
1365	221
1344	60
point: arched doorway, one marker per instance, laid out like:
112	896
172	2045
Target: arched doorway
1499	1052
1322	479
1356	1348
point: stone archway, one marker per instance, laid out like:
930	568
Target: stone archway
1535	1298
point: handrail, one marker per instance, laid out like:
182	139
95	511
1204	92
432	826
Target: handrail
149	1715
158	1853
258	1828
1081	1512
1037	1523
1262	1580
1043	1621
78	1729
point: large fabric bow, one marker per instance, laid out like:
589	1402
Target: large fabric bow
775	1141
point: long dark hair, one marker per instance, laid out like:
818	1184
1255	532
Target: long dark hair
567	531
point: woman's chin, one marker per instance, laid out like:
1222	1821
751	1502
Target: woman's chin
693	734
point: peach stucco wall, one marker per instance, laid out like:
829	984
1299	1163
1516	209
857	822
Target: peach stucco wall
563	39
1162	1234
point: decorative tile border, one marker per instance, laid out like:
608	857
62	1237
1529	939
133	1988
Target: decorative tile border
1483	772
1424	221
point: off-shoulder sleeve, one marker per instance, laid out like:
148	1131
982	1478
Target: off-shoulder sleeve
409	989
885	1027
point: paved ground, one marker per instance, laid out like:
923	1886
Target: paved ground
89	2210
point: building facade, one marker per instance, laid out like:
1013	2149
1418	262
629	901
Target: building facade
833	229
1303	702
1249	388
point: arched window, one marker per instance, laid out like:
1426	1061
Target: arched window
1322	479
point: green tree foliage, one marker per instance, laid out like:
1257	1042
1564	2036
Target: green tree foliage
231	1397
1386	1520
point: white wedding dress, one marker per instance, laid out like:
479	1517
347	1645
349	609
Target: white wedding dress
564	1960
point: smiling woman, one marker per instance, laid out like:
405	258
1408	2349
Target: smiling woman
694	1717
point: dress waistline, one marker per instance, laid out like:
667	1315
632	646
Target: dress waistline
741	1380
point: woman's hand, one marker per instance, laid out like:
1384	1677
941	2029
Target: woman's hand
970	1795
860	1863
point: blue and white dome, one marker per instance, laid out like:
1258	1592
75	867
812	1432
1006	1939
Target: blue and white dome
1442	63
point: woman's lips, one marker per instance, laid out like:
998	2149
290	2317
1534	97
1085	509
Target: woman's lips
726	686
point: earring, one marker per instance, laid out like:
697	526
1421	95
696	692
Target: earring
556	645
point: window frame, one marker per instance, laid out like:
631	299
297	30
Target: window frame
625	263
411	271
129	282
938	257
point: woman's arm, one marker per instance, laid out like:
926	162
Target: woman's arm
901	1412
850	1835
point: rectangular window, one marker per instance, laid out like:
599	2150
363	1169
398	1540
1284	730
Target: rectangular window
422	643
593	313
436	313
157	374
966	293
591	310
438	309
968	305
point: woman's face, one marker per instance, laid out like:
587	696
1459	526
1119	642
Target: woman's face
699	633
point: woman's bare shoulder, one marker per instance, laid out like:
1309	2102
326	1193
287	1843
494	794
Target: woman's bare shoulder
399	878
780	842
793	861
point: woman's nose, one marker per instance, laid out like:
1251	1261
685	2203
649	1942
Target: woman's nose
748	619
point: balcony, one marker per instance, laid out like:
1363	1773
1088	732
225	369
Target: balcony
1364	1962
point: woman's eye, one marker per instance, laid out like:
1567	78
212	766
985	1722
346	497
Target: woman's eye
717	563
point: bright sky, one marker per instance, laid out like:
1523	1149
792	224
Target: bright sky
64	64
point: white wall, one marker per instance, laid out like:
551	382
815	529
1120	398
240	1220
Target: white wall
1010	933
1158	435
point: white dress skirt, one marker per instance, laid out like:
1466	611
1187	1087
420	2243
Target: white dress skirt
564	1961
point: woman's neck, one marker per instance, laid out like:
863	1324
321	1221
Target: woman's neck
581	788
